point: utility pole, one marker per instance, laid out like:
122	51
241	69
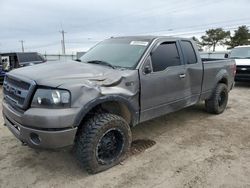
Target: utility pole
63	41
22	41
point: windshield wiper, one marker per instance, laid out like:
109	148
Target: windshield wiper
99	62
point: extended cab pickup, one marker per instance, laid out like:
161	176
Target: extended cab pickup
92	104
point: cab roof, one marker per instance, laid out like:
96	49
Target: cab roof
149	37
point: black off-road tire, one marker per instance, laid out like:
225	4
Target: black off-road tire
218	101
92	136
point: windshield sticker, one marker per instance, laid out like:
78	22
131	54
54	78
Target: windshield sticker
139	43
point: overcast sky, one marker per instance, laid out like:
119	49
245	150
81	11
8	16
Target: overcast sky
38	22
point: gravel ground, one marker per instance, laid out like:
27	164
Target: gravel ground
193	149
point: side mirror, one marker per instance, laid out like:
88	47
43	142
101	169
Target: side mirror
147	69
226	56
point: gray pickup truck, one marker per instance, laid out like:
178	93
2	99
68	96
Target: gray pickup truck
120	82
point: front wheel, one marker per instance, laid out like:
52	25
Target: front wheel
218	101
103	142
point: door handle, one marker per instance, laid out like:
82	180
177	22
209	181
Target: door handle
182	75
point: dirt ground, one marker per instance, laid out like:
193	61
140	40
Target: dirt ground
193	149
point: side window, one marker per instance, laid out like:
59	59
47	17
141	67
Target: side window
164	56
189	52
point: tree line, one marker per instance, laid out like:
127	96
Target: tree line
218	36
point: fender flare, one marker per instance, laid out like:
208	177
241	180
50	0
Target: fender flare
223	74
113	98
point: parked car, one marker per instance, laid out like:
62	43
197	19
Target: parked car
241	54
119	83
9	61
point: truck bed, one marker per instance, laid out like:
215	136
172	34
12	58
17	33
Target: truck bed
213	68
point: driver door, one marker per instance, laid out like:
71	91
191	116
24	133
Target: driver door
164	85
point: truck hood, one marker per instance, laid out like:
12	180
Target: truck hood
242	62
54	74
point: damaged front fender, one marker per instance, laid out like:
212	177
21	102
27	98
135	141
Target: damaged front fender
114	98
119	86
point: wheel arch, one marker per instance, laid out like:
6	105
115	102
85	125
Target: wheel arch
113	104
222	77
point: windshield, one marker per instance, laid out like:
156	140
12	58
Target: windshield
117	52
240	53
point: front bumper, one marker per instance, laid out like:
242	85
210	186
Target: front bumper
55	133
242	73
242	77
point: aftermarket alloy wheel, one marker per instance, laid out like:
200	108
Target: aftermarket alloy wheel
110	146
103	142
218	101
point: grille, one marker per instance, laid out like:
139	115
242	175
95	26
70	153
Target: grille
17	92
19	83
243	70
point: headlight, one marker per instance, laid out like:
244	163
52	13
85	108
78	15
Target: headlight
51	98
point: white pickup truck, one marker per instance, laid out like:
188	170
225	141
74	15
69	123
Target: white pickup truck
241	54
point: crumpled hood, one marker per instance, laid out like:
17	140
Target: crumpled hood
54	74
242	62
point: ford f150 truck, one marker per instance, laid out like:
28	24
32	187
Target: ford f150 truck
241	54
123	81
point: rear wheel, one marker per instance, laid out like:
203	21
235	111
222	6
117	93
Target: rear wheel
103	142
218	101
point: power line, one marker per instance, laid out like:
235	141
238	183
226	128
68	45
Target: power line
167	11
204	26
198	31
172	32
201	32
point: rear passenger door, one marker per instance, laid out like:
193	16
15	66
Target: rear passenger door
193	70
163	82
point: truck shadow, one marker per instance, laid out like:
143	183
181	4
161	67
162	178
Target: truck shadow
158	126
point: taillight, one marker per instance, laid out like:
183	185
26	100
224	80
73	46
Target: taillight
234	69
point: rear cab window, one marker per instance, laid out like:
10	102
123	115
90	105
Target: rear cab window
188	52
